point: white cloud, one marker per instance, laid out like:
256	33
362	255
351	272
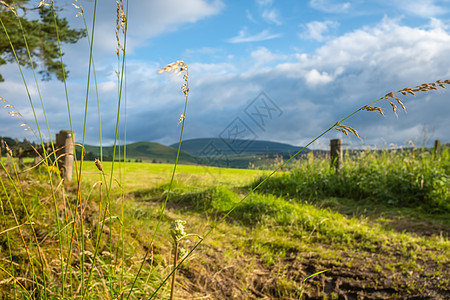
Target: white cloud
271	16
244	37
268	13
262	55
423	8
436	24
315	78
313	91
148	19
107	87
330	6
346	73
317	30
156	17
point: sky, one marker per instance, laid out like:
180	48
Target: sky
283	71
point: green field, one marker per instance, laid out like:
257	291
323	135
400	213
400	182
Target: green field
378	228
144	151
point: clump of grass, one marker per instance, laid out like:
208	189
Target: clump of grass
407	178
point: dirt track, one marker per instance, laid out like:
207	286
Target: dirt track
379	274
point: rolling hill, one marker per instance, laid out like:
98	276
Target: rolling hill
205	151
145	151
238	148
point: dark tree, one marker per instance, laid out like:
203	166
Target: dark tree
40	36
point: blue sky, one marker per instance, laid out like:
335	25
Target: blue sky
314	61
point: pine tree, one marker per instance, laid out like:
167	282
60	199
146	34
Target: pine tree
40	34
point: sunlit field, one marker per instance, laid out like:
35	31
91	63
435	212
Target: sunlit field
301	222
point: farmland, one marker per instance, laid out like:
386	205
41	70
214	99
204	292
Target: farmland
377	244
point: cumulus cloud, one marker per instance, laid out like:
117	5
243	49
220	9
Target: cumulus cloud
346	73
314	90
314	78
317	30
263	55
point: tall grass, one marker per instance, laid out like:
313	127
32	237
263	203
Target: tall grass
76	249
406	178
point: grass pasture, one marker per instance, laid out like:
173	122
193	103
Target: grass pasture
265	248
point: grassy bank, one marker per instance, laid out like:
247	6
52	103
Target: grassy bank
267	246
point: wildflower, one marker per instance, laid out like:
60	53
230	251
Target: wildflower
177	229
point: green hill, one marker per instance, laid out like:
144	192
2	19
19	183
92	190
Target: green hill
145	151
207	146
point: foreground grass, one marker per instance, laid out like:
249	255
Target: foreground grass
267	246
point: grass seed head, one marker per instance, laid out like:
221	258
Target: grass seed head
78	6
346	129
373	108
401	103
179	66
394	108
8	150
425	87
121	20
342	130
43	3
389	95
11	8
98	164
14	114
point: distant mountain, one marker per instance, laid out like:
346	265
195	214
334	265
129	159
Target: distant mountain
146	151
207	146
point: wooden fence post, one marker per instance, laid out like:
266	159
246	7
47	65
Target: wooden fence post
437	148
336	154
65	152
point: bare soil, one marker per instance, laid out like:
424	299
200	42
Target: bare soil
352	274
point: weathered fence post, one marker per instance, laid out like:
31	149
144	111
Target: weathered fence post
65	151
336	154
437	148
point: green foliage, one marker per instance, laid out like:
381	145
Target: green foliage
41	38
408	178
